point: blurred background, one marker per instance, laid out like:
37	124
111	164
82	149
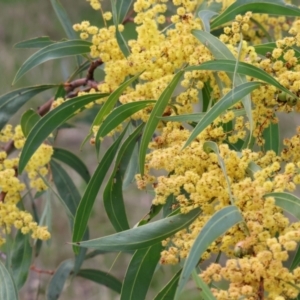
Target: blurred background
24	19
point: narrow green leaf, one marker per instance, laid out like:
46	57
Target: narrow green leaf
102	278
113	194
8	290
226	102
205	291
38	42
109	104
53	51
132	168
120	39
73	161
242	68
205	16
80	258
206	96
50	121
271	7
271	136
142	236
58	280
196	117
63	18
220	51
212	146
296	260
123	8
263	49
153	120
168	207
153	212
11	102
87	201
217	225
81	68
140	272
65	22
119	115
21	259
28	120
288	202
168	292
65	187
60	92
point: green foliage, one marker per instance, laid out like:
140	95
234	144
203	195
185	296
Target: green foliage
138	127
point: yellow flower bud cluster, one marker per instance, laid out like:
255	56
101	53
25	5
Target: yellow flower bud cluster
11	187
265	270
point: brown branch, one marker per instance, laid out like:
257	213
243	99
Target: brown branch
40	271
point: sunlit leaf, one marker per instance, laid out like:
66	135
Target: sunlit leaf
220	51
53	51
242	68
51	121
153	120
142	236
217	225
271	7
205	16
226	102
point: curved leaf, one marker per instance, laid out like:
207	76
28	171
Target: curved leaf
123	8
140	272
66	188
205	291
217	225
168	292
38	42
87	201
288	202
11	102
119	36
49	122
119	115
272	7
53	51
196	117
28	120
242	68
226	102
8	289
142	236
58	280
113	194
205	16
21	259
153	120
63	19
263	49
271	136
108	106
73	161
102	278
220	51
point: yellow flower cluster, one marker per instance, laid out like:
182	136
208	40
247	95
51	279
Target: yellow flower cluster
11	187
193	176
